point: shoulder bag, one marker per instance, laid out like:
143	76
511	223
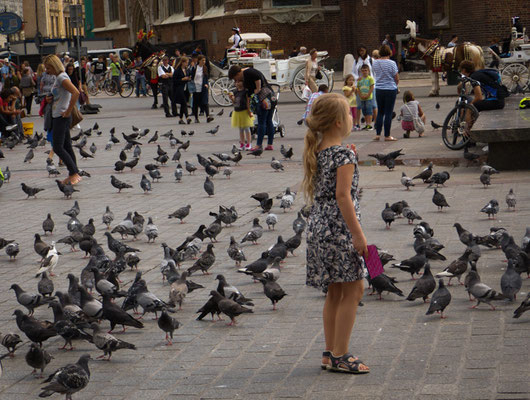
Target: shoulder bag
419	126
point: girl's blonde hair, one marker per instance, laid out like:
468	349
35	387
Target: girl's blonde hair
325	112
347	77
182	60
53	61
40	69
408	96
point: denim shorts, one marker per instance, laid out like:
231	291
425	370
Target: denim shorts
367	107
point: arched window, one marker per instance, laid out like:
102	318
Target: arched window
175	7
114	10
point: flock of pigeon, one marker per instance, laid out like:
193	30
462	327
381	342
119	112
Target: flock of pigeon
94	294
427	248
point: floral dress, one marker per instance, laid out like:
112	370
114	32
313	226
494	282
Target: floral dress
331	256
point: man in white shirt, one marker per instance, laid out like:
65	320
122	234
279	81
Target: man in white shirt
165	75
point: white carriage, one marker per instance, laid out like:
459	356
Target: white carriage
287	73
515	73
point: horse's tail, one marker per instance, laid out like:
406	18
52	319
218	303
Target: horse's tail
478	57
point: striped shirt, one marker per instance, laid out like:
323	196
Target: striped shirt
385	71
313	97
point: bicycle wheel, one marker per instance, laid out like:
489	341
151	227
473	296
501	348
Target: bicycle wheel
92	88
126	89
455	125
110	88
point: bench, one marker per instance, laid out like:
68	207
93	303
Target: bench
507	133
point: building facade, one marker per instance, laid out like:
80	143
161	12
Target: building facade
14	6
337	26
49	17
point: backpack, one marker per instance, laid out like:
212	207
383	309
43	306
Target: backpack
491	83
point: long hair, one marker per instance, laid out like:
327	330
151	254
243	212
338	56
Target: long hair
53	61
326	110
181	60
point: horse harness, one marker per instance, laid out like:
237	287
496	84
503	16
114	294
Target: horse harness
438	55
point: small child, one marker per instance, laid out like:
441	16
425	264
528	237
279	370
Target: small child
410	110
350	91
365	87
242	117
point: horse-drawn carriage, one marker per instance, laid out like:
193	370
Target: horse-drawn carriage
514	64
284	73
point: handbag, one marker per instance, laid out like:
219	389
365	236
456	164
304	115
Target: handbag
373	262
318	75
76	116
419	126
82	97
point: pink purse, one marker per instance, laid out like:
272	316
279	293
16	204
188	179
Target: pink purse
373	262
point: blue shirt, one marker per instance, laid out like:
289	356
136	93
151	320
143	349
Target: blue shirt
384	73
4	71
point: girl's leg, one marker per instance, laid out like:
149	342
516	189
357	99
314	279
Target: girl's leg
390	100
329	315
248	137
242	135
345	313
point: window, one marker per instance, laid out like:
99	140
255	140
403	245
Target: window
175	7
291	3
439	14
114	10
67	27
156	10
214	3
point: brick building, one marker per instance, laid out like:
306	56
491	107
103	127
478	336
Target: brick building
334	25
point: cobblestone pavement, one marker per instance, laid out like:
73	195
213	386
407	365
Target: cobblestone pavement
473	354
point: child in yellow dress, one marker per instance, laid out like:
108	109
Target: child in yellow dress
242	117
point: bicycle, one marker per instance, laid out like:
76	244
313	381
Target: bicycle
454	127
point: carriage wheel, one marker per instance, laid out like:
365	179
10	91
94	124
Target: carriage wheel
299	81
514	75
220	89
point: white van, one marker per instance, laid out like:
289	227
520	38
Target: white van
106	52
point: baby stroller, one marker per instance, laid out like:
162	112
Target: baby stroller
278	126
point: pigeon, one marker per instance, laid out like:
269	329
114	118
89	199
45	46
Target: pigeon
293	242
178	290
220	112
485	179
266	204
208	186
40	247
439	200
271	220
272	290
73	211
235	252
511	282
10	342
299	223
488	169
154	138
211	170
184	146
119	184
227	172
398	206
286	153
119	166
191	168
255	233
45	286
66	328
231	292
131	164
287	200
137	151
108	217
388	215
437	106
412	265
410	214
205	262
30	191
214	229
276	165
524	245
29	300
229	307
525	306
456	269
108	343
438	179
470	156
151	231
7	174
118	247
425	174
168	324
383	158
176	156
178	173
406	181
35	330
214	130
145	184
210	307
48	224
256	267
52	169
424	286
69	379
511	201
105	287
382	283
29	156
84	155
67	189
236	158
37	358
483	293
181	213
116	316
435	125
440	300
257	152
491	208
93	148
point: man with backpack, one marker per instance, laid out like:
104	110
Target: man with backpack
488	91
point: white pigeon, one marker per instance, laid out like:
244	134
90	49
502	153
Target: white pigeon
271	220
50	261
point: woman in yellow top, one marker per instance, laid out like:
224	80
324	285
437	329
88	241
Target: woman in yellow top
349	91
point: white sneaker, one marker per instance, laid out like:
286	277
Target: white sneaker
248	147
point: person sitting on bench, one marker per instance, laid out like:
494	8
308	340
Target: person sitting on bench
8	113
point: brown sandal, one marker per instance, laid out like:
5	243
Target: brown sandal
390	139
75	179
376	138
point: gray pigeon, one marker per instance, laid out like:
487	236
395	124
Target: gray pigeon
439	200
178	173
151	230
525	306
119	184
457	268
382	283
37	358
229	307
492	208
410	214
483	294
440	300
511	282
181	213
276	165
485	179
69	379
30	191
48	224
168	324
145	184
45	285
511	201
235	252
29	300
423	286
108	217
108	343
271	220
208	186
255	233
29	156
425	174
299	224
406	181
272	290
388	215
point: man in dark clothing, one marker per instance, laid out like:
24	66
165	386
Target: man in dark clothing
256	84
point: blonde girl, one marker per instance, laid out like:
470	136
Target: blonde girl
349	91
335	240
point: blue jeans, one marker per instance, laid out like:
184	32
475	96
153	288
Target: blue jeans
140	85
265	126
385	103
